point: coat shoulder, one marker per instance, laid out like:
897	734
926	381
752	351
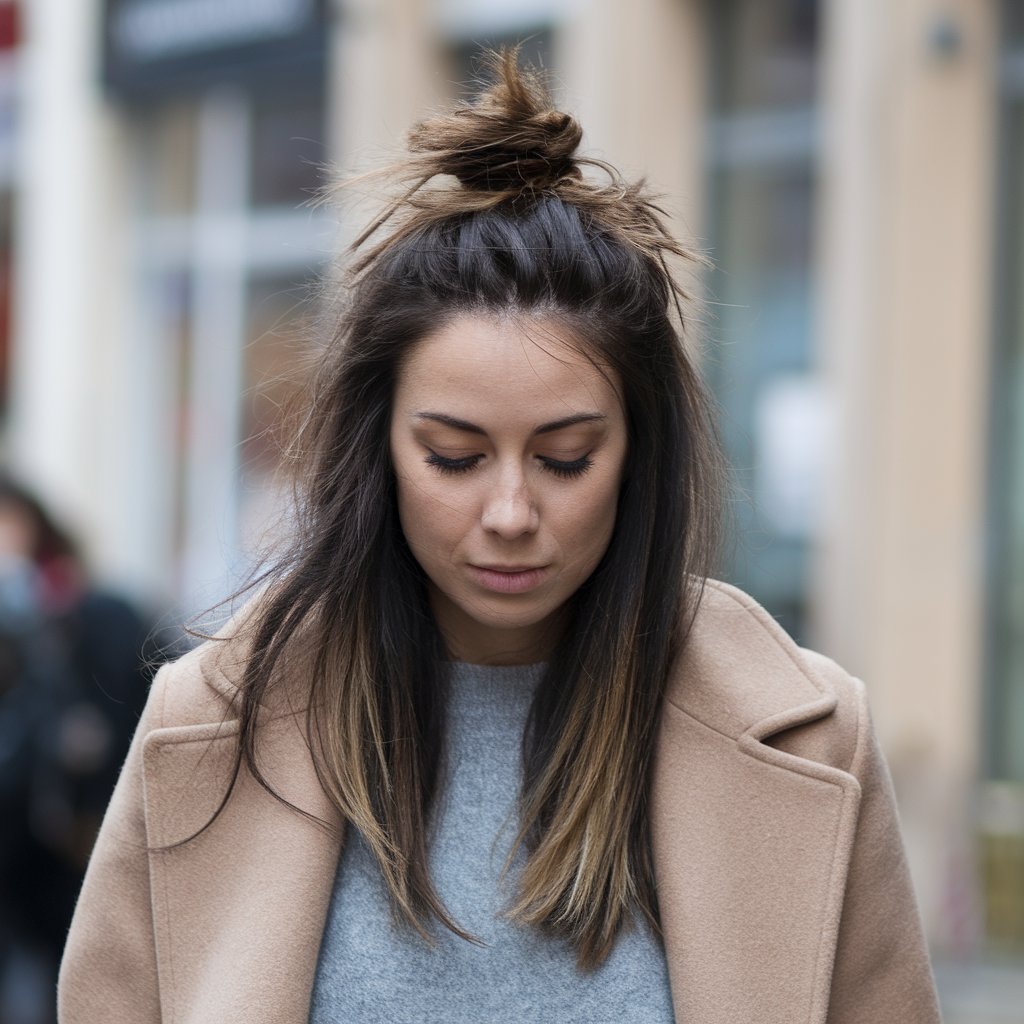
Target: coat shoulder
202	685
205	685
741	672
188	690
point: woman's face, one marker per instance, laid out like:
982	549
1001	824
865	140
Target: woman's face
508	446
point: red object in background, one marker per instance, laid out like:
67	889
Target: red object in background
9	25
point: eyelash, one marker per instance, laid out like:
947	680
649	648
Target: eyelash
566	470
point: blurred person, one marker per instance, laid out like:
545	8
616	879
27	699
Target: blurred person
488	743
72	687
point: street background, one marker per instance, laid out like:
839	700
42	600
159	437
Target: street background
853	168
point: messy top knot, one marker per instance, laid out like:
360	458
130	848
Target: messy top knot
510	151
510	140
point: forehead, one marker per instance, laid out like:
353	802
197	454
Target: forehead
507	361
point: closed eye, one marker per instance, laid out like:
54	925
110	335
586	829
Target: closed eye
577	467
443	465
567	470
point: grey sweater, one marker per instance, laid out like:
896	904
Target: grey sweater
371	970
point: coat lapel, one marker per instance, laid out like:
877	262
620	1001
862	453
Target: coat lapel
239	911
750	843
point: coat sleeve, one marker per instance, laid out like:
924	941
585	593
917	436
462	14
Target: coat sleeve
881	971
108	972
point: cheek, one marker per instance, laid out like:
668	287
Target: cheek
586	527
431	524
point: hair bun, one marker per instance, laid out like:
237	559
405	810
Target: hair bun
510	140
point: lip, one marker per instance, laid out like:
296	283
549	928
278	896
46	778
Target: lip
509	579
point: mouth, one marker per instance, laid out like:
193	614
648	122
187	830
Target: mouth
509	579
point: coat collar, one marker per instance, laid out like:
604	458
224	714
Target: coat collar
750	844
742	673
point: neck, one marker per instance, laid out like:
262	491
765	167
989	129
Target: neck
470	641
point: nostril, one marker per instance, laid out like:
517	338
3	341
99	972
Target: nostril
513	514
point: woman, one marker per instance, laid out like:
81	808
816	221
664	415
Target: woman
490	745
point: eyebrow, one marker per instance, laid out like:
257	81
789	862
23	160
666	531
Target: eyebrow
544	428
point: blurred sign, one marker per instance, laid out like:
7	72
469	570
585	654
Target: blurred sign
159	46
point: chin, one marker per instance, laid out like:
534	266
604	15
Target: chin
500	620
512	613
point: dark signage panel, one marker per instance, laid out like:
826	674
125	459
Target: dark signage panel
161	46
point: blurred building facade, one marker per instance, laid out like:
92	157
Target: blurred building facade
855	168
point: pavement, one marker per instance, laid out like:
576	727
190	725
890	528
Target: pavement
981	992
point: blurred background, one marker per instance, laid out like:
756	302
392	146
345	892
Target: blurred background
855	170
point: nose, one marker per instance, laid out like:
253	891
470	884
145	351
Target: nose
509	509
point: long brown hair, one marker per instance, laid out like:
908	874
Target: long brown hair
494	213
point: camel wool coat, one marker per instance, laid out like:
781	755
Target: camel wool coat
782	881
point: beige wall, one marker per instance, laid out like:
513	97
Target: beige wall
383	77
635	76
905	240
384	74
643	108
